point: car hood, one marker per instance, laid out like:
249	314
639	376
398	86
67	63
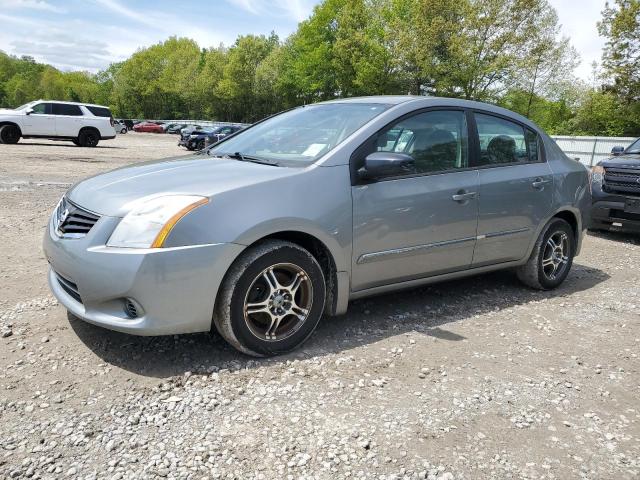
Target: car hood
631	161
8	111
115	193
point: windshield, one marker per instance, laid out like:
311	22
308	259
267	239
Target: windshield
634	147
300	136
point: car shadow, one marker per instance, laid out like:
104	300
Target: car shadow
425	311
62	144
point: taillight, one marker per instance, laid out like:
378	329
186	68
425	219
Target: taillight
112	122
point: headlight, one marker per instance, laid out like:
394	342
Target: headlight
597	174
148	225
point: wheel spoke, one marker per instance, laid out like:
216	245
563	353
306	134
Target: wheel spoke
295	284
299	312
552	244
547	261
270	277
270	333
257	307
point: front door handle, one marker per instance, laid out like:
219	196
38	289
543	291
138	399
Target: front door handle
539	183
463	196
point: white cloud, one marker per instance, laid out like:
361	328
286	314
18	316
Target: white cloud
42	5
297	10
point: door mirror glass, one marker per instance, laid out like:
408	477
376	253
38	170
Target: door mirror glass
386	164
615	151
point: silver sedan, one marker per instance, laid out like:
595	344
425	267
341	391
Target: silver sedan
266	231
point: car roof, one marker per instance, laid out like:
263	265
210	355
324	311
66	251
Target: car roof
72	103
422	101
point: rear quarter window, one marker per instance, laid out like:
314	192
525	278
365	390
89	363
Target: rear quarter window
99	111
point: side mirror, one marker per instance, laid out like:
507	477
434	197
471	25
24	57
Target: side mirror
386	164
29	111
615	151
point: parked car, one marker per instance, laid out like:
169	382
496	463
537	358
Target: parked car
175	127
119	126
615	187
148	127
128	123
189	129
207	136
81	123
295	216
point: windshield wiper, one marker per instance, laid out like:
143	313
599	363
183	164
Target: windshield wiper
249	158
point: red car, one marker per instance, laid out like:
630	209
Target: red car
148	127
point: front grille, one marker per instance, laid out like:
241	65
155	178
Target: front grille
73	221
622	180
69	287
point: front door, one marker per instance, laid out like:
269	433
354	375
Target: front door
515	190
40	121
423	223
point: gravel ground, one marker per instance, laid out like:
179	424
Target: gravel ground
479	378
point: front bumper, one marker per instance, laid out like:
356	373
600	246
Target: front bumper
608	211
176	287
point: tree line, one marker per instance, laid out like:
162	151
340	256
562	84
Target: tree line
507	52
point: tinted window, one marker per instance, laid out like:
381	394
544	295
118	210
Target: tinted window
533	145
99	111
437	141
66	109
501	141
40	108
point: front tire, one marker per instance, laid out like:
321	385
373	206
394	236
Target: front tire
88	138
9	134
552	257
271	299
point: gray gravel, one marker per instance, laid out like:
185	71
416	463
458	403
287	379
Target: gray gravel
478	378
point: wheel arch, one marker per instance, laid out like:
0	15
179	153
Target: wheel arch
14	124
87	128
569	214
323	255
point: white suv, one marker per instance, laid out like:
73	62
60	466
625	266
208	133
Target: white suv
84	124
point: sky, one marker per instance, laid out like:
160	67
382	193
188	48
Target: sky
90	34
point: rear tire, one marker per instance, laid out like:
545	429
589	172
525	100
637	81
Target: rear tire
88	138
9	134
551	258
271	299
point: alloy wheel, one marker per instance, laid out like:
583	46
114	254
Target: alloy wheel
278	302
555	257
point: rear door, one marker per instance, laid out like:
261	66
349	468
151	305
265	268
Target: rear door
68	119
515	188
422	223
40	121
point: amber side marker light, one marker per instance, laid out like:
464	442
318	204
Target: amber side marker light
166	229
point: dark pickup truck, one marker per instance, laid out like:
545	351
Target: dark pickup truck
615	189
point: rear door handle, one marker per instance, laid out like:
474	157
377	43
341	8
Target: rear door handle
463	196
539	183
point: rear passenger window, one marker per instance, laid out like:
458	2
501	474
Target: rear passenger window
99	111
66	109
437	140
501	141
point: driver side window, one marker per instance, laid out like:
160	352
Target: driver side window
40	109
437	140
